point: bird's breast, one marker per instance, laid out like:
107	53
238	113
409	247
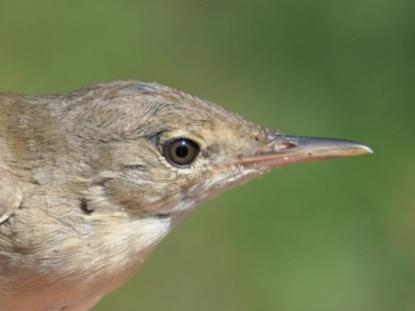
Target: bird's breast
102	256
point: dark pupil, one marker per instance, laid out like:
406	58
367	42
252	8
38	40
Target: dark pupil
182	150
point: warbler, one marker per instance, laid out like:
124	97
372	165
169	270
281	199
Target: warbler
92	180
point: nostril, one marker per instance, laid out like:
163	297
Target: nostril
289	144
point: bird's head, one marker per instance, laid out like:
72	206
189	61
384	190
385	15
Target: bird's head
161	151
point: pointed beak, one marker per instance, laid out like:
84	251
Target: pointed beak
285	149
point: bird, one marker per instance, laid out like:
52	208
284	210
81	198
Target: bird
92	180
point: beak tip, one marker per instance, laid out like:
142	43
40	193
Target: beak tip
366	149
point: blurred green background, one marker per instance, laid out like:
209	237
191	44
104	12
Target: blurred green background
329	236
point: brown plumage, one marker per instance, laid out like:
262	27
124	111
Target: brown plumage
92	180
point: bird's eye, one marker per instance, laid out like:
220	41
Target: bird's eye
181	152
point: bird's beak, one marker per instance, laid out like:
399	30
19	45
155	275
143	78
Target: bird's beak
286	149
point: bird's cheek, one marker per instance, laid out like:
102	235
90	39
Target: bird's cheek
142	200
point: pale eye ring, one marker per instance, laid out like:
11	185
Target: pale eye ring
181	152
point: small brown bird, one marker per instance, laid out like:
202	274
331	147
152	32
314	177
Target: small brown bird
91	181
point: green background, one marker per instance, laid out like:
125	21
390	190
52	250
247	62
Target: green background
337	235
